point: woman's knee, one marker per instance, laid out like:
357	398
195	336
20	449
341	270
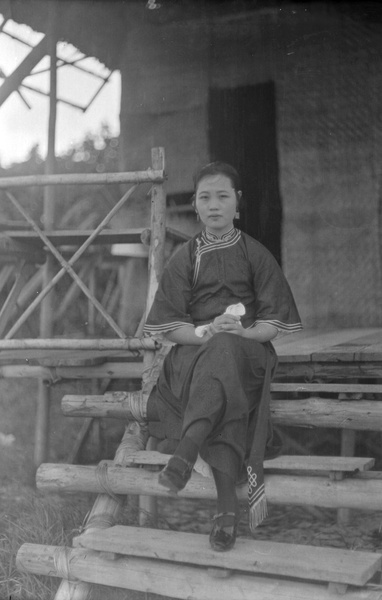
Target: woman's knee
223	341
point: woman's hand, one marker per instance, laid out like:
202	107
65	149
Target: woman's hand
227	323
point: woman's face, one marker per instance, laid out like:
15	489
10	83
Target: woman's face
216	202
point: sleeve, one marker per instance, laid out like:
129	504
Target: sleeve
170	309
274	302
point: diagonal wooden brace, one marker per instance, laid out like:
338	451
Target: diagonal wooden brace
67	265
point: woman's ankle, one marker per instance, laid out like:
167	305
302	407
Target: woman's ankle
187	450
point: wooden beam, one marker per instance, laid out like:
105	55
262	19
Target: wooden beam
252	556
13	81
361	494
287	463
174	581
312	412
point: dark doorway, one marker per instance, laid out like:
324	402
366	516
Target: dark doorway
242	132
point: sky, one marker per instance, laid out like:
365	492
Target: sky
21	127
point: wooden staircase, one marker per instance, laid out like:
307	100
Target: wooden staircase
182	565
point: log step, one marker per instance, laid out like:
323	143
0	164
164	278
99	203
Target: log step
252	556
173	580
315	464
313	411
334	388
351	492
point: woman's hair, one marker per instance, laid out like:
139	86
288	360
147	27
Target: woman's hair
218	168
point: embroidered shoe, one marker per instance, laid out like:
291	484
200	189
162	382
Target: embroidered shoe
176	474
223	538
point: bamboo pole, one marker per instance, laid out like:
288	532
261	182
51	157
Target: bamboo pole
158	229
356	492
80	344
47	306
13	81
170	579
135	177
152	361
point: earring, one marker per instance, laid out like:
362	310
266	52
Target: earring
197	216
237	215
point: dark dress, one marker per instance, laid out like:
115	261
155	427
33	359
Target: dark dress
223	380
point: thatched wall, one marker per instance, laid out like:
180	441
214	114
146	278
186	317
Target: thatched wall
327	69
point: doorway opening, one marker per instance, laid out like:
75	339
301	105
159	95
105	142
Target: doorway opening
242	132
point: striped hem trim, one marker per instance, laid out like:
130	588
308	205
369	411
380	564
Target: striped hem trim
165	327
280	326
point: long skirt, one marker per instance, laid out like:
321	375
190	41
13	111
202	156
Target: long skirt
221	381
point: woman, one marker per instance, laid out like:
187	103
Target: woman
213	391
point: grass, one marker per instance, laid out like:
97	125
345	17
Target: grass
26	515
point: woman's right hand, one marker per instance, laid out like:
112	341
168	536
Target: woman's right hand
227	323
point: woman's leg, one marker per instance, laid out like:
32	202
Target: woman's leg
226	520
179	468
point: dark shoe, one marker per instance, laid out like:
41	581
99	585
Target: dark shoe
223	538
176	474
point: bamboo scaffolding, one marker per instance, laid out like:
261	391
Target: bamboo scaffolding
135	177
66	266
73	259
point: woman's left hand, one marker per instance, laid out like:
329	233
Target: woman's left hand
227	323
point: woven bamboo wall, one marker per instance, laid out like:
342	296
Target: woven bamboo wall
330	150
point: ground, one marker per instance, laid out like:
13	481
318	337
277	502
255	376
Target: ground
30	516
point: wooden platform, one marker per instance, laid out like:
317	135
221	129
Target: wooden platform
252	556
330	354
311	464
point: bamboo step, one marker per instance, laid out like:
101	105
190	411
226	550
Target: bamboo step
329	565
315	464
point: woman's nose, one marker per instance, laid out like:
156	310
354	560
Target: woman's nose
213	203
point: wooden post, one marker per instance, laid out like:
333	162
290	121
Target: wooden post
46	314
147	505
158	228
348	441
